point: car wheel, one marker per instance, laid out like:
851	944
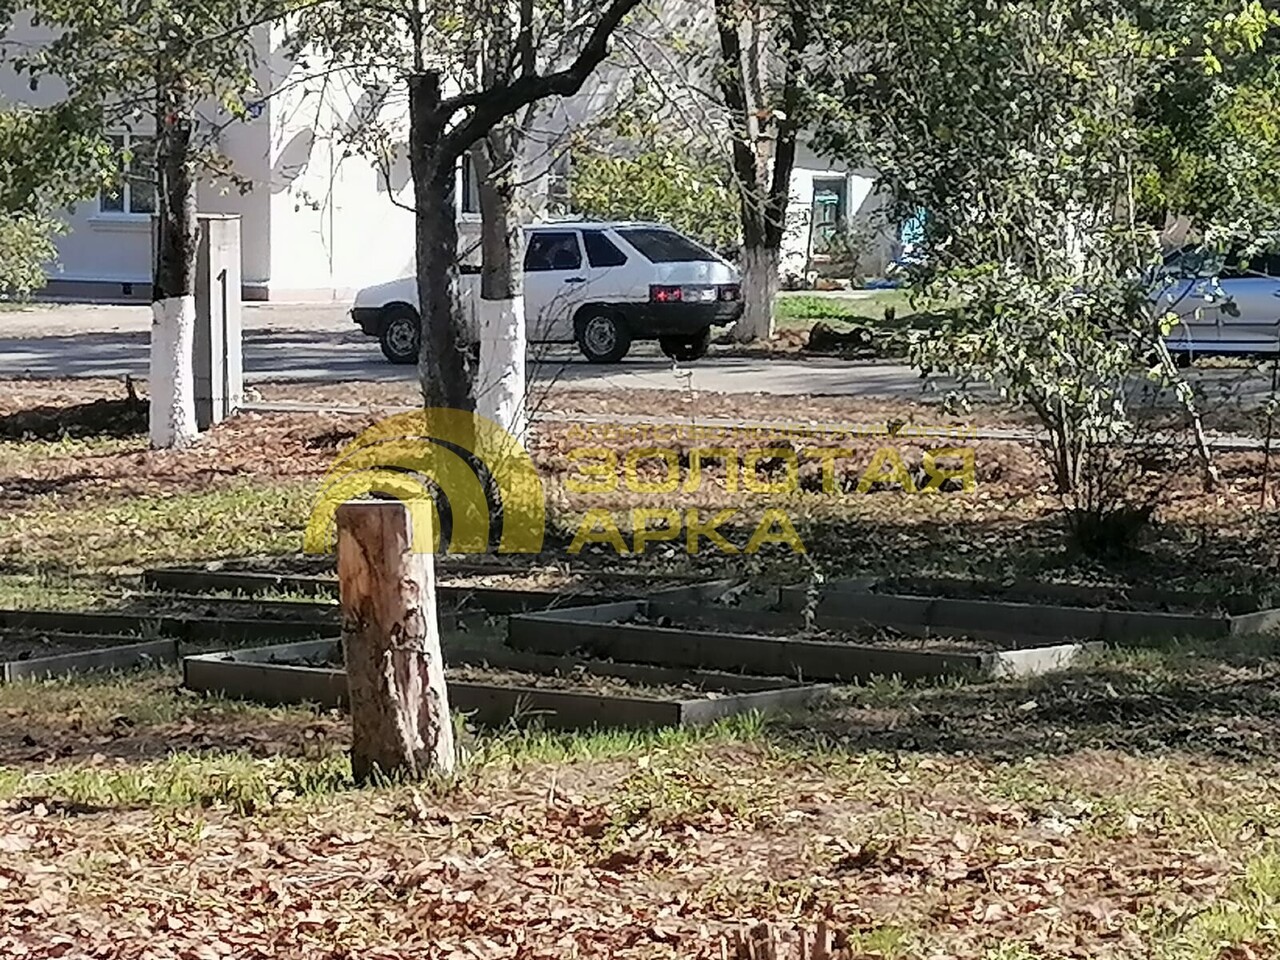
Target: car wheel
401	335
603	337
686	348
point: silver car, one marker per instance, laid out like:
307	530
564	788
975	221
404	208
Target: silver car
1228	304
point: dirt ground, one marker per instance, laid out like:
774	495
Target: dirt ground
1129	817
1126	809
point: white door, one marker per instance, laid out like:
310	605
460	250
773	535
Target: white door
555	284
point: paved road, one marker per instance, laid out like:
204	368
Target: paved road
318	342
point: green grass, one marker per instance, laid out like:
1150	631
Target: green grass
1245	922
18	455
236	782
57	532
516	747
136	700
80	712
800	310
55	590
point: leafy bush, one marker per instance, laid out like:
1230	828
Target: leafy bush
48	159
1044	141
26	245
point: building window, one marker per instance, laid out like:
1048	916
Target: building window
829	207
469	186
136	191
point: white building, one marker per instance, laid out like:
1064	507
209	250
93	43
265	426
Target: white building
835	219
318	221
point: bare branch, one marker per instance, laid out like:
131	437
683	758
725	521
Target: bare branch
489	107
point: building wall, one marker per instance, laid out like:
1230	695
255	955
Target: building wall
317	222
106	254
333	221
871	233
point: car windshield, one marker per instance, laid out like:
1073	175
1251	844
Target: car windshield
1195	262
665	246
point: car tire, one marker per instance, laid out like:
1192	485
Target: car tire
684	349
401	334
602	336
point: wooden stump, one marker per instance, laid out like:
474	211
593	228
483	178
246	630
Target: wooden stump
401	728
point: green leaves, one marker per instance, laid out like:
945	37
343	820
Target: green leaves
649	179
1050	141
48	158
26	245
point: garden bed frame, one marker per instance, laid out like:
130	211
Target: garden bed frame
497	600
597	631
191	629
259	675
1077	614
99	653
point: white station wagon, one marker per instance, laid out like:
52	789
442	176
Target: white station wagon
599	285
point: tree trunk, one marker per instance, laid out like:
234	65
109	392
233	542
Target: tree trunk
500	380
443	366
173	307
762	162
759	290
401	728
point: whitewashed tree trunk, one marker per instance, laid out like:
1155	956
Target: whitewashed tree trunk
759	289
172	419
500	379
760	79
173	407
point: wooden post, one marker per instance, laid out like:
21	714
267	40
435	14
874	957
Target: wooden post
391	643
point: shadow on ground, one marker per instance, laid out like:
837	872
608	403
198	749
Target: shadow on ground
125	417
1223	704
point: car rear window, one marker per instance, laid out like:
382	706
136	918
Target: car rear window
1203	262
1253	265
665	246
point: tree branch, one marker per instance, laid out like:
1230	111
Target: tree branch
490	106
524	41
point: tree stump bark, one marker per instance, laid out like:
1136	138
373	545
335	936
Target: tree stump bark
401	728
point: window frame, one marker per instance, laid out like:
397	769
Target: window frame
468	187
618	251
577	238
122	141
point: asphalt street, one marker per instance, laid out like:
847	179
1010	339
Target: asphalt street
319	343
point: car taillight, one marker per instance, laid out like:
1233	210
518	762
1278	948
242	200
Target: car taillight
730	292
658	294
